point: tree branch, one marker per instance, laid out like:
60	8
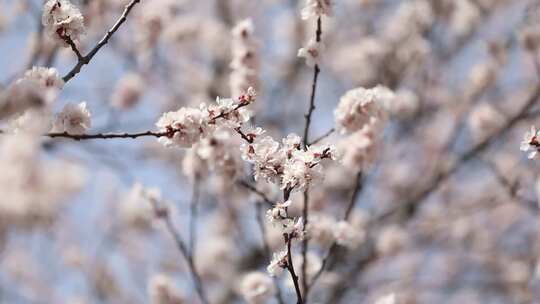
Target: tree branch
83	60
305	210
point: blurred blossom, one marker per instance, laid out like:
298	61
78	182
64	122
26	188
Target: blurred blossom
256	287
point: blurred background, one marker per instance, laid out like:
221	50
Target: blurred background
448	209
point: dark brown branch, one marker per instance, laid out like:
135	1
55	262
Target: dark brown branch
83	60
290	268
311	108
107	135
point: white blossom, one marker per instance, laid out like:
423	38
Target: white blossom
187	126
62	20
316	8
278	213
256	288
73	119
359	149
312	52
360	107
45	77
278	263
530	143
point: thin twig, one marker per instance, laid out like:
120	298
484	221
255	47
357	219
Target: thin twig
163	214
83	60
305	210
256	191
320	138
290	268
107	135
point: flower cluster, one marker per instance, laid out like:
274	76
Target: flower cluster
62	21
73	119
530	143
286	164
316	8
187	126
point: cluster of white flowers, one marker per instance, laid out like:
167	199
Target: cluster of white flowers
187	126
312	52
287	164
317	8
256	288
362	107
73	119
530	143
245	58
62	20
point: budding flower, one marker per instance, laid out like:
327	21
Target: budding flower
312	52
62	20
278	263
74	119
530	142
